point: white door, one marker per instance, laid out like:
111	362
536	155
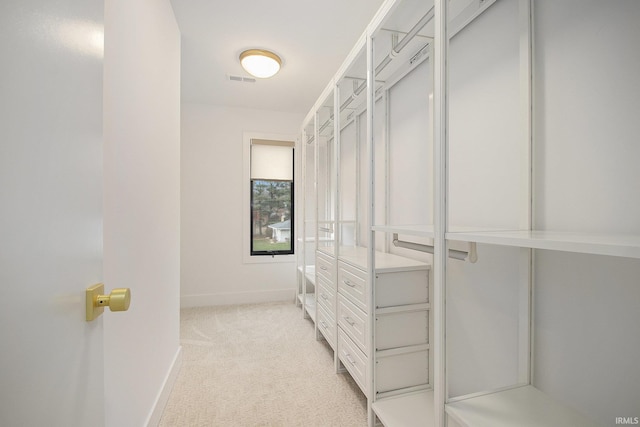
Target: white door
51	359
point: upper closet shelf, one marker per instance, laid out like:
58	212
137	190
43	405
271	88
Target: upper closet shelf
407	410
414	230
523	406
621	245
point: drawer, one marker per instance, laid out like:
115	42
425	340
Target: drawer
402	288
354	322
399	369
400	329
353	360
326	267
352	283
327	296
327	326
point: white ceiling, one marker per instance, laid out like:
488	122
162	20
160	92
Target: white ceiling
313	37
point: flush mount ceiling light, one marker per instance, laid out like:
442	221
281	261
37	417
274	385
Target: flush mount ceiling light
260	63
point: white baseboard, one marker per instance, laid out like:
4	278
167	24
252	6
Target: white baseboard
231	298
163	395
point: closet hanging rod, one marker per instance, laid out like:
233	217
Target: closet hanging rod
472	254
406	39
404	32
361	79
357	91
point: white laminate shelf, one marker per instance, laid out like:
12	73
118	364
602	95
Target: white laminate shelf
620	245
421	230
407	410
309	304
384	262
309	273
524	406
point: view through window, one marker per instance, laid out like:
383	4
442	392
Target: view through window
271	210
272	196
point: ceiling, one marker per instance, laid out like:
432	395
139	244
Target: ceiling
312	37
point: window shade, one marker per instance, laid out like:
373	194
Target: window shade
272	160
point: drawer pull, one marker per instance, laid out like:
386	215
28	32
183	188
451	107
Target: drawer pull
349	358
323	267
324	325
324	297
349	320
348	283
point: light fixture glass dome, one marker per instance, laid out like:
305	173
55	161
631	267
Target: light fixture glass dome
260	63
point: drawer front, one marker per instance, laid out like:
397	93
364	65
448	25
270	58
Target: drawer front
402	329
352	283
327	296
402	370
354	322
326	267
402	288
327	326
353	360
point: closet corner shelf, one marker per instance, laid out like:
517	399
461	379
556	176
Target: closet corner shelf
407	410
620	245
421	230
309	304
309	273
523	406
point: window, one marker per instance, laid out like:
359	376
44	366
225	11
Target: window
272	197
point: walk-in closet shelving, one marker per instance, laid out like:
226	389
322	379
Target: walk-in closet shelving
401	63
306	241
541	137
326	212
519	173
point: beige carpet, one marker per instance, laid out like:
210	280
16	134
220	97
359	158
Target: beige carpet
259	365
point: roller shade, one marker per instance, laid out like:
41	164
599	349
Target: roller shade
272	160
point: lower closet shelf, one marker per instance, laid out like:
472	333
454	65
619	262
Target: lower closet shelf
524	406
407	410
309	304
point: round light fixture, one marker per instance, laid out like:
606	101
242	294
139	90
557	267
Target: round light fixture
260	63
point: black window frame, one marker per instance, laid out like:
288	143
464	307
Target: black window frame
291	251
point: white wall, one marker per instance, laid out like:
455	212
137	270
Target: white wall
141	206
213	194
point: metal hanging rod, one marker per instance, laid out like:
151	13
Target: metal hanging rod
472	254
406	39
404	32
357	90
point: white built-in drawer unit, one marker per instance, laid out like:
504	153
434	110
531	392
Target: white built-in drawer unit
353	284
401	367
402	287
400	328
326	267
354	322
326	325
327	296
354	360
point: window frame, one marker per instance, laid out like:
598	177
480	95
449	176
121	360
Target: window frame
247	236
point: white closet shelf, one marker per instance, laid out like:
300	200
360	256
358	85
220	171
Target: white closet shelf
309	304
422	230
524	406
384	262
621	245
309	273
407	410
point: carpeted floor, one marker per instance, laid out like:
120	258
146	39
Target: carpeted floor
259	365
